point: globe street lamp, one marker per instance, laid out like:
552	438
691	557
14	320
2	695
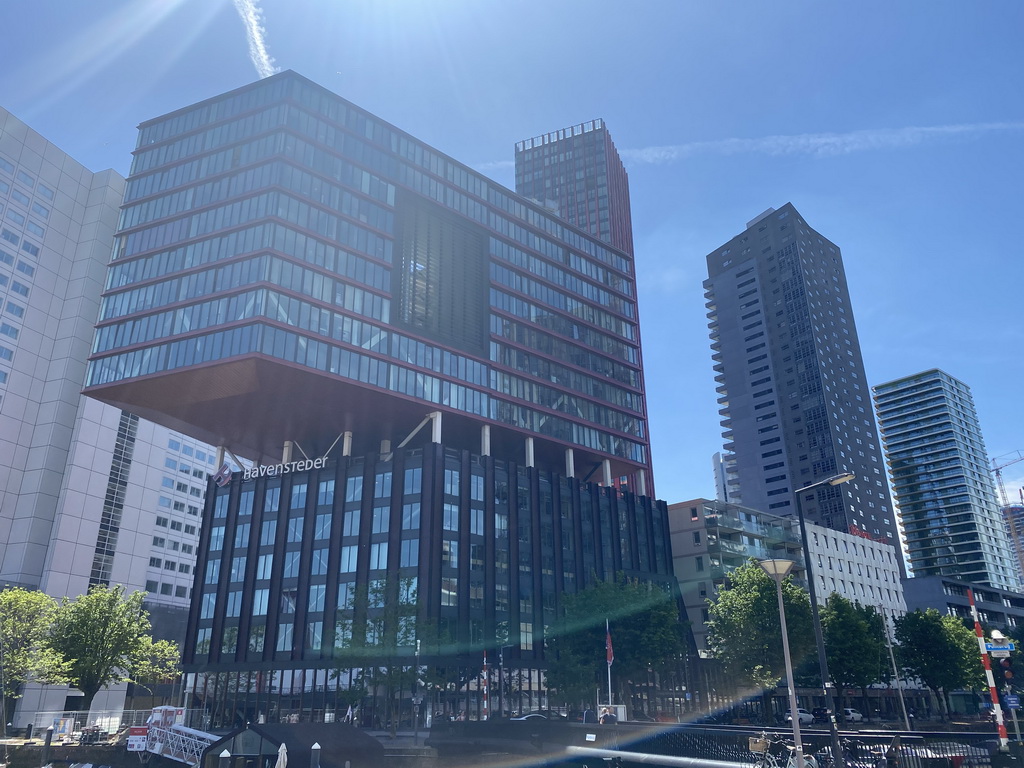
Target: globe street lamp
778	570
837	749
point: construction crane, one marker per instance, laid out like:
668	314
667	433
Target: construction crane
997	469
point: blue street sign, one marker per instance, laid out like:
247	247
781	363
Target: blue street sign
1004	647
1012	701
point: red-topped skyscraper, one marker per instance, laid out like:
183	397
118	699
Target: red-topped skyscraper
577	172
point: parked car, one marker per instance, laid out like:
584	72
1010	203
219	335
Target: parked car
852	715
821	714
803	716
544	714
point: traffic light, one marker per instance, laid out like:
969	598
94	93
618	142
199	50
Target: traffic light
1006	667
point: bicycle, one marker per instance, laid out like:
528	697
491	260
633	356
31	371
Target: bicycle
762	747
856	754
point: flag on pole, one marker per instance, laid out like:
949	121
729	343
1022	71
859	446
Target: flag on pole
609	653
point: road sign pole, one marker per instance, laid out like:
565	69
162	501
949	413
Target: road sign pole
1004	739
1013	709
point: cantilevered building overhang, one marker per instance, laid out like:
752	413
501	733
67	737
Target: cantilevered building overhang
289	268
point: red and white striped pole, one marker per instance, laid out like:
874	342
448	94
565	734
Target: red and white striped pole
1004	739
487	701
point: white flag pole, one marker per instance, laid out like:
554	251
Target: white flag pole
609	655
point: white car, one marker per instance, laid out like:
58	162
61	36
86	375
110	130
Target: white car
803	716
852	716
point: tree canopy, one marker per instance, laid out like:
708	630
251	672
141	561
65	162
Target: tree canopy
939	650
25	620
744	631
643	620
104	638
855	647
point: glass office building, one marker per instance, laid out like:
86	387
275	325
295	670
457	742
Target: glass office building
448	373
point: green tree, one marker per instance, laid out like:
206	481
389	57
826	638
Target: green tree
104	638
745	634
384	650
25	620
854	644
646	633
939	650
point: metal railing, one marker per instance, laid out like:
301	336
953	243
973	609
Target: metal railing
178	742
67	724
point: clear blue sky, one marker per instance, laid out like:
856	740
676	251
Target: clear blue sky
896	129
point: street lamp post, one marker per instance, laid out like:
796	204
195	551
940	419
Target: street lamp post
837	748
501	679
778	570
416	698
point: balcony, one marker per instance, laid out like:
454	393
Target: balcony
742	550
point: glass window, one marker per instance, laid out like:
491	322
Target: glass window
233	605
298	500
260	600
317	592
268	532
319	564
382	485
413	480
264	565
349	557
451	482
410	553
325	493
411	516
379	556
209	604
289	600
315	635
220	506
451	517
285	634
217	538
450	554
449	592
291	564
346	594
272	500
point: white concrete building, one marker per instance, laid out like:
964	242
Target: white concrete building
88	494
857	568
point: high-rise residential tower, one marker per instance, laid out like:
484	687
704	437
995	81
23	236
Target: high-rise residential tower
795	404
578	172
89	494
439	379
1013	516
940	474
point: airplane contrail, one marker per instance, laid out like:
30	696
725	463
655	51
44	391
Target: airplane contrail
817	144
252	18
